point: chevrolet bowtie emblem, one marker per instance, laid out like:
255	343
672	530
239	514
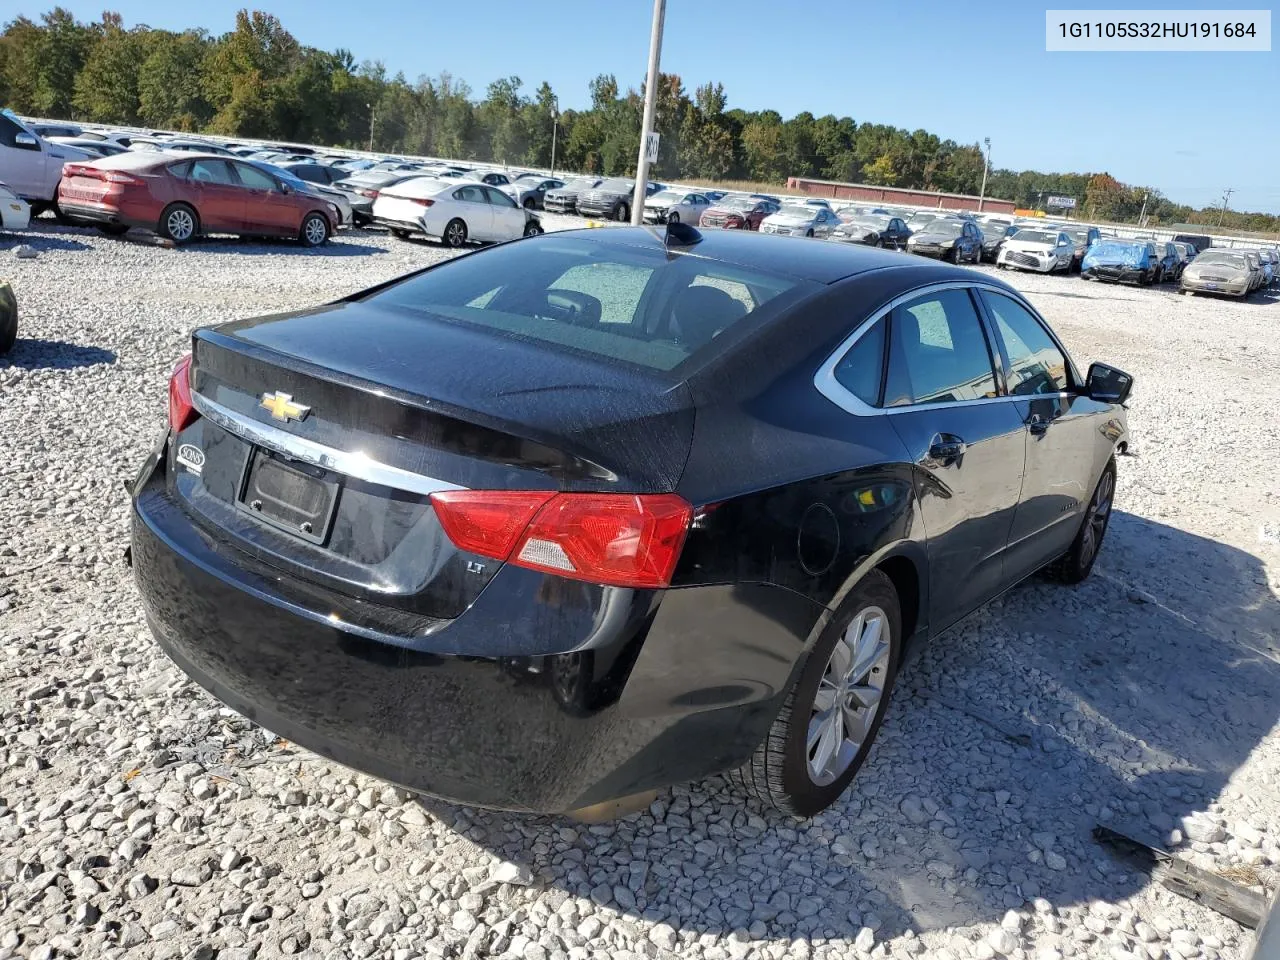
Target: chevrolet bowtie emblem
282	406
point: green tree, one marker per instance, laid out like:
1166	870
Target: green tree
170	89
881	172
63	46
107	86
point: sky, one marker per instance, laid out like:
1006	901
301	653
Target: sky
1190	124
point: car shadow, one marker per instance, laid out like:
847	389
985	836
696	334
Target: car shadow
41	242
1129	700
28	354
260	247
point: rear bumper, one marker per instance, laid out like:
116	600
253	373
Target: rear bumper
413	226
96	213
545	695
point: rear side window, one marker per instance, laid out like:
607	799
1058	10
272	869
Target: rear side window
861	369
938	352
621	302
1036	365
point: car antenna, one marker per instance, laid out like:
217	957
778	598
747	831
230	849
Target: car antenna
680	234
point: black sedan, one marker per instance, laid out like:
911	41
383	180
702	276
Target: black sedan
874	230
707	494
948	238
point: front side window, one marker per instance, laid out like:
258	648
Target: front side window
255	179
861	369
1036	365
938	352
498	198
213	172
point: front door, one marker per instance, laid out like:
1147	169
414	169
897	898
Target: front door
508	216
267	208
966	441
23	162
216	195
1059	426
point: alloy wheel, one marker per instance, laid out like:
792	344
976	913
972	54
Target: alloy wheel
456	234
315	231
180	225
849	696
1095	524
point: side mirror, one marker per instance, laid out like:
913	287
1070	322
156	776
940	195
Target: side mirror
285	188
26	140
1107	384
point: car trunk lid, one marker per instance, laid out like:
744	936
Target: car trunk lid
378	409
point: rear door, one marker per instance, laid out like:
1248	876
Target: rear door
476	210
215	191
967	442
1060	435
267	208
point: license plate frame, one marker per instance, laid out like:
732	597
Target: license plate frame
276	491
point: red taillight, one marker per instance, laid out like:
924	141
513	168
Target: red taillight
371	194
422	201
181	411
115	176
617	539
95	173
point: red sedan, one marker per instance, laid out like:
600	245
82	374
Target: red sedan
180	196
736	213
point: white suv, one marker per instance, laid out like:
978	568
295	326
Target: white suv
30	165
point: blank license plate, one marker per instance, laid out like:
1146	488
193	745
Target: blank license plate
296	498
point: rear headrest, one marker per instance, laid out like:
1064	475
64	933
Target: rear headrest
700	312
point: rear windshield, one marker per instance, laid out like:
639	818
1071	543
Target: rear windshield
638	305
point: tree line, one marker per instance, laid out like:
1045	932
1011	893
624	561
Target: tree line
258	81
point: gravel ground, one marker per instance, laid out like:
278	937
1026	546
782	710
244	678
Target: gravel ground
139	818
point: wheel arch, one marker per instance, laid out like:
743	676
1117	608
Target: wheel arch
906	564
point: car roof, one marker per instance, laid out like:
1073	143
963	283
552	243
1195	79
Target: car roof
794	256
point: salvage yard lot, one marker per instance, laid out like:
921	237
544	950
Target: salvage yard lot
138	818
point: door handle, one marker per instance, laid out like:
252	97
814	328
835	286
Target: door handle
946	449
1038	425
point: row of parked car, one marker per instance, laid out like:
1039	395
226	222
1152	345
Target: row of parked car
180	186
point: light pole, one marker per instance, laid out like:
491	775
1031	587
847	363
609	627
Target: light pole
986	165
555	114
1223	212
370	106
1142	214
650	102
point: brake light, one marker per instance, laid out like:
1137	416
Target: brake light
371	194
422	201
616	539
181	411
115	176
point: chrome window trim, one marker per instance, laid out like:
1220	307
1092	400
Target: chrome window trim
825	379
351	463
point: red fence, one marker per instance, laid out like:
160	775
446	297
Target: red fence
914	198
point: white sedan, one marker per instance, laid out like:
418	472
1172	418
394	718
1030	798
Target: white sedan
1044	251
452	212
801	220
675	206
15	213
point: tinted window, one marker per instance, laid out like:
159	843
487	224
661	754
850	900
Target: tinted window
8	130
1036	364
309	172
498	198
182	170
255	179
620	302
938	352
213	171
859	371
470	194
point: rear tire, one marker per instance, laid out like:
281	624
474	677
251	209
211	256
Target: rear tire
8	318
781	773
455	233
179	223
1077	563
314	231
